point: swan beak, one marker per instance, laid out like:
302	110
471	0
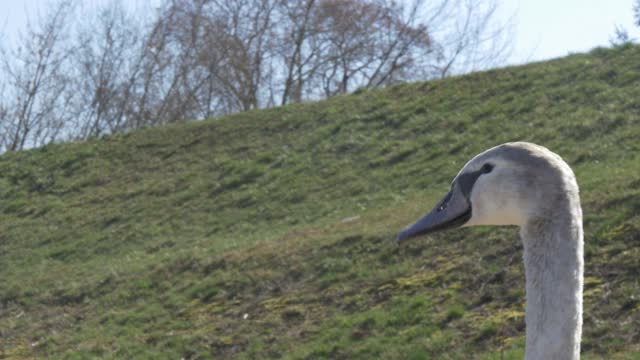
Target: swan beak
452	211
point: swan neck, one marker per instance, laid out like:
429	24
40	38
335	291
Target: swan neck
553	257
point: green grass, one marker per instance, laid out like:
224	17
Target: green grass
269	234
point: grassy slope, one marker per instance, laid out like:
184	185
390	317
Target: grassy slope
269	233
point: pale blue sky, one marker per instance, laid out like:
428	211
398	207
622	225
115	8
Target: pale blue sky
553	28
542	28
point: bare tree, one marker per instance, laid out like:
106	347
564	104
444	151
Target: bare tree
4	118
222	53
373	49
36	81
401	38
257	53
244	39
620	37
194	59
196	35
350	41
298	47
176	77
104	70
4	110
468	36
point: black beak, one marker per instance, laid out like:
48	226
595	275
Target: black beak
452	211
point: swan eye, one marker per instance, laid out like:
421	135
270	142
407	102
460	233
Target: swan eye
487	168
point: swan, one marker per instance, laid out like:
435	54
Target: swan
529	186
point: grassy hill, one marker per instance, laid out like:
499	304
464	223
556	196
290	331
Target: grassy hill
270	234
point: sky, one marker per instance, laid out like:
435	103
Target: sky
553	28
542	29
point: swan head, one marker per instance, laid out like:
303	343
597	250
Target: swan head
505	185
